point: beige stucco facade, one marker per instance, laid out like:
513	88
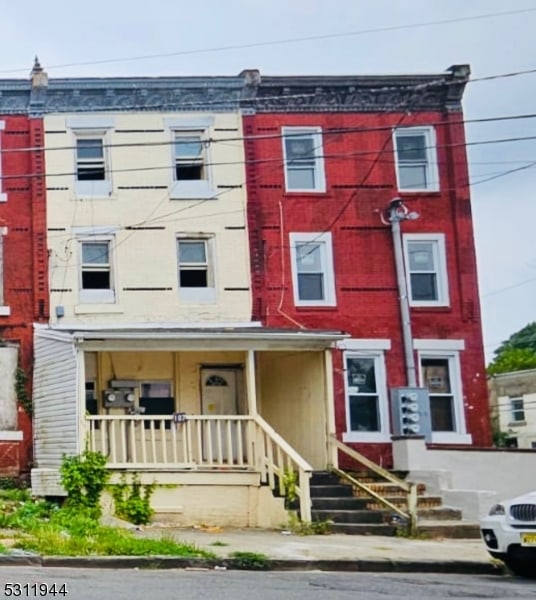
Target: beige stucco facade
513	406
142	211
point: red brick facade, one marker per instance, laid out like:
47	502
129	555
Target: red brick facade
24	268
359	186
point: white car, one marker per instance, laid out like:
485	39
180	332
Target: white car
509	532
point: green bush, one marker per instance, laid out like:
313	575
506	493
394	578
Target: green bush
84	478
132	501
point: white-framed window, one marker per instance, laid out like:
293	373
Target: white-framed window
367	413
3	195
304	163
517	410
439	372
196	275
192	172
96	270
426	269
416	159
92	177
312	269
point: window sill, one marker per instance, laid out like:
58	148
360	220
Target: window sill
317	307
5	311
192	190
431	192
3	197
197	295
366	437
85	309
451	438
432	307
517	424
93	189
310	193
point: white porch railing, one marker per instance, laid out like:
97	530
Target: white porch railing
238	442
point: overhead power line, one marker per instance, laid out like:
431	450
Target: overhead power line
296	40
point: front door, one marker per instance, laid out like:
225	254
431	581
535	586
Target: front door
219	396
219	392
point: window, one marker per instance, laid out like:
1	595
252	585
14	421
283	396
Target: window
312	269
3	195
426	269
5	311
196	277
189	156
92	407
96	281
416	163
366	397
440	373
156	398
304	166
192	173
517	410
90	165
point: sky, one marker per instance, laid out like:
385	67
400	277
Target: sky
353	37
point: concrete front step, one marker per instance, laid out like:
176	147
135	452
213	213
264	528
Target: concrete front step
340	503
448	529
348	516
423	502
335	490
363	529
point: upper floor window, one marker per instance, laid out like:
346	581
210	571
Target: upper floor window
517	409
304	165
4	310
3	195
192	172
312	269
196	272
96	273
416	162
426	269
189	156
92	160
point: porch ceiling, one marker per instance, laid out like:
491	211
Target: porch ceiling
219	338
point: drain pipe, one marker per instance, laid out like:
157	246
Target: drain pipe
396	213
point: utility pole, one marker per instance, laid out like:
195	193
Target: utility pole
396	213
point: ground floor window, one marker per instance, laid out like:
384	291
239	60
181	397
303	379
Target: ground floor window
366	397
156	398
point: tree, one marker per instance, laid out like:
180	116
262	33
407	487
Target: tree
524	338
512	359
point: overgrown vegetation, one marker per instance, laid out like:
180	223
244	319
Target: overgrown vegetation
84	478
73	529
290	484
132	501
294	524
21	379
248	561
517	353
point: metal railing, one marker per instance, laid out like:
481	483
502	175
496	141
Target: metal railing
409	488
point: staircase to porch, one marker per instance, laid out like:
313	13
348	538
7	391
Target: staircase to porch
354	511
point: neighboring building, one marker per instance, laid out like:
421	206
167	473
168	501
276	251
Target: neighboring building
512	398
325	157
23	264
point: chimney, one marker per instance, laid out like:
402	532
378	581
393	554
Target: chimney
38	75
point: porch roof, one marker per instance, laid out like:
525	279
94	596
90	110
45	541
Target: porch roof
200	338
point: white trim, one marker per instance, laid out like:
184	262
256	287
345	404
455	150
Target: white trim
2	125
441	345
3	195
432	174
163	325
320	176
97	307
5	311
384	434
189	122
93	122
364	344
11	436
97	296
440	267
453	357
325	241
105	230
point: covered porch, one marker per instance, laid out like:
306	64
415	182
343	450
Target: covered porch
246	407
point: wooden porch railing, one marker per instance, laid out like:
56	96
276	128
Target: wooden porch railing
239	442
409	488
279	459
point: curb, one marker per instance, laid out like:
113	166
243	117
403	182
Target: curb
175	562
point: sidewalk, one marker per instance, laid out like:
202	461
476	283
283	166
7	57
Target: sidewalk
289	552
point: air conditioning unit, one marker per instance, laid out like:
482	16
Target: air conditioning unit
118	398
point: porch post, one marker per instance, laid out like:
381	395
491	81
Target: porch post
251	388
80	399
332	454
